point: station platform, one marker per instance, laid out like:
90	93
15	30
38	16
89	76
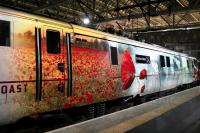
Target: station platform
179	112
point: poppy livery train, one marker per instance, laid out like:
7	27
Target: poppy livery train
47	65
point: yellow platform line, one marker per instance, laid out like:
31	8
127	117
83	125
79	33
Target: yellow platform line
139	120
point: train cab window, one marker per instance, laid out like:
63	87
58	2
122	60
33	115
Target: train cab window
4	33
168	61
114	56
162	61
53	41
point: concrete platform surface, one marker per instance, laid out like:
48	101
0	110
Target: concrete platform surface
179	112
183	119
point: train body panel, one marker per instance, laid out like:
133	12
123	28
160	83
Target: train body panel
49	65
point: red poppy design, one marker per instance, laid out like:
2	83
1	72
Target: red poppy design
89	96
143	74
68	104
142	88
127	70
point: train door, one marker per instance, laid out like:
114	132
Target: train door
143	60
53	62
184	70
178	69
153	84
171	82
163	72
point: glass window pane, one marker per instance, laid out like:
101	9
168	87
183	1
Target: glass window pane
168	61
114	56
53	41
162	61
4	33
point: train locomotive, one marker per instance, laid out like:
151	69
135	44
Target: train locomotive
49	65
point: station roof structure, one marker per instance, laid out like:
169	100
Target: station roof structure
120	15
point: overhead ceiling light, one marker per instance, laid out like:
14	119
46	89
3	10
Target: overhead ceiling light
86	21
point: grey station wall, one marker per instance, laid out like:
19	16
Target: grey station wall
186	41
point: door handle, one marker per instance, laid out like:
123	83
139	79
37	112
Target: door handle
61	67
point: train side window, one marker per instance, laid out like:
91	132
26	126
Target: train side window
188	65
168	61
84	41
162	61
192	63
78	41
53	41
114	56
4	33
